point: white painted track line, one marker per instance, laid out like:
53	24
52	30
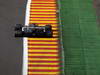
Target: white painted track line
25	41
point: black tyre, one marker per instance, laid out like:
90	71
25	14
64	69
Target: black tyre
48	27
39	33
18	34
49	33
18	27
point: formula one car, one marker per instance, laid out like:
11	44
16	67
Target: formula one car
33	30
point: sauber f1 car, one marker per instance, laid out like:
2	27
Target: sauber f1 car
33	30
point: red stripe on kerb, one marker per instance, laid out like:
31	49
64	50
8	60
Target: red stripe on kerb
42	70
44	48
46	23
32	61
42	40
44	11
44	57
43	3
43	14
43	52
42	17
43	20
45	8
44	65
43	44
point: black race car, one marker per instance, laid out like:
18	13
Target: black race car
33	30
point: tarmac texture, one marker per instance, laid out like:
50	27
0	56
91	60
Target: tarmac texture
11	13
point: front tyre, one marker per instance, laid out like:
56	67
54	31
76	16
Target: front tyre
49	33
18	34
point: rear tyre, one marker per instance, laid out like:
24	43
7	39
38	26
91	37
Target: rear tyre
48	27
49	33
18	27
48	30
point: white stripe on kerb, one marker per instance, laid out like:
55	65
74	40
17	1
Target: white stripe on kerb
27	17
25	41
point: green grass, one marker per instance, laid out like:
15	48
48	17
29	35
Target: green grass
81	38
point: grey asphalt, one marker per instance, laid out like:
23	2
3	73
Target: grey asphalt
11	12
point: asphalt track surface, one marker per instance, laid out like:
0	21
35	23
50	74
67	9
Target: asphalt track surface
11	12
